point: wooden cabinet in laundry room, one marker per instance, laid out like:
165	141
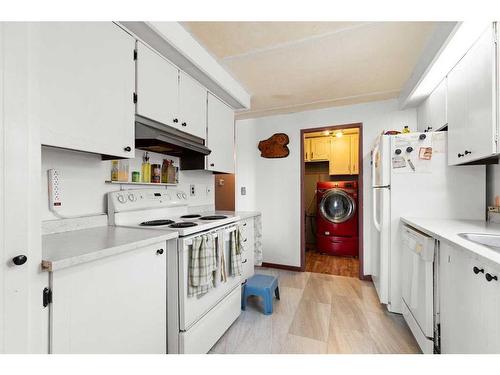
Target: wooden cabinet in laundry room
344	153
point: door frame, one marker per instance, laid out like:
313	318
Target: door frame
357	125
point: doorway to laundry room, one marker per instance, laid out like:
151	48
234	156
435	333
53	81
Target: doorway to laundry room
331	196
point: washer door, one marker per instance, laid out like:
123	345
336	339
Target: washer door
337	206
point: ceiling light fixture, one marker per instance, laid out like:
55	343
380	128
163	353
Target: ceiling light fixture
464	36
339	134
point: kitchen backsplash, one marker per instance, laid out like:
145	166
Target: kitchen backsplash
83	187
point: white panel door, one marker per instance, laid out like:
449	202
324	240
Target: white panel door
114	305
471	109
463	308
157	87
192	106
84	74
220	136
23	320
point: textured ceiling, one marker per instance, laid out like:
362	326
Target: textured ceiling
296	66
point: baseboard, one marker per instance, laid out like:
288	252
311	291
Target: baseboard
281	267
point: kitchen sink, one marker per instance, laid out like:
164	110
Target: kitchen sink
490	240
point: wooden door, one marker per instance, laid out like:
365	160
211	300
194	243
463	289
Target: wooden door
340	155
84	77
354	153
192	106
157	87
224	192
115	305
220	136
23	320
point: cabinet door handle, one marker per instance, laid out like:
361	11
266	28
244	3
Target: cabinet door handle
159	251
184	124
244	224
175	120
490	277
306	155
467	152
212	164
460	155
127	149
19	260
246	260
477	270
245	240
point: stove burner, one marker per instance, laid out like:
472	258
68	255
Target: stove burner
213	217
185	224
192	216
153	223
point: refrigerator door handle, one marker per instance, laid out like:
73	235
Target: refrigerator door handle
374	209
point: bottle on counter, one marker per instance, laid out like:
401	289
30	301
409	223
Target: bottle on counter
406	129
164	171
146	168
114	170
136	176
123	169
155	173
171	172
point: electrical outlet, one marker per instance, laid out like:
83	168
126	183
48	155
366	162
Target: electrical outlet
54	180
192	190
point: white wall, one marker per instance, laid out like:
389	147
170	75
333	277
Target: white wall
273	185
84	190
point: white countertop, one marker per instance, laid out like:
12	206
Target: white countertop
241	214
66	249
448	230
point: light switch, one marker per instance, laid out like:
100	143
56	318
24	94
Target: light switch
243	190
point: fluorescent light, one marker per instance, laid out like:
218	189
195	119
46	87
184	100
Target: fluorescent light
460	42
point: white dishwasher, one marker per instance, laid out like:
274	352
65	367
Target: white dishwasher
417	266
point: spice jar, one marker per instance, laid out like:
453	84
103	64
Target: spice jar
155	173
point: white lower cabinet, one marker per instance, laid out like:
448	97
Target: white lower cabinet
112	305
247	231
469	303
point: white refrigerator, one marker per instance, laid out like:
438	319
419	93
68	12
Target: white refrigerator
411	177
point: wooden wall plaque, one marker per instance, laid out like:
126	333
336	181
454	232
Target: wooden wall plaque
275	146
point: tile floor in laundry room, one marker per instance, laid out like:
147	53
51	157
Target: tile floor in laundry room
318	314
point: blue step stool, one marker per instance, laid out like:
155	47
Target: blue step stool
263	286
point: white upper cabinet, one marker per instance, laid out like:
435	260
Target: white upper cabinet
157	87
192	106
471	98
220	136
432	114
83	85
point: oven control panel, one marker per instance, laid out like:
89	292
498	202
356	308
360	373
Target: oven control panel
127	200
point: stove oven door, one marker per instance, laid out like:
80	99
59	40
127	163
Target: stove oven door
192	309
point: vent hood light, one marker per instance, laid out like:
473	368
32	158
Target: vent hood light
459	43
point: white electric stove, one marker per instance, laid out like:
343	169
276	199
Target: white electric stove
194	323
161	209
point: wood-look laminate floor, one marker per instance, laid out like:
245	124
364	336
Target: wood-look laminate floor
318	314
332	265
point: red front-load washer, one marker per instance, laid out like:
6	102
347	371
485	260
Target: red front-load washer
337	218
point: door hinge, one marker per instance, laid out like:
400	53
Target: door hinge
135	54
46	297
135	97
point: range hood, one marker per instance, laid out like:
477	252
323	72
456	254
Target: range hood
154	136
